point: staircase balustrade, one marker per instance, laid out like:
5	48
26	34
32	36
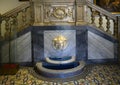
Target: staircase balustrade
23	16
16	20
104	23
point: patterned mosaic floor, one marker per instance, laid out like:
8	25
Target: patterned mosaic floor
98	75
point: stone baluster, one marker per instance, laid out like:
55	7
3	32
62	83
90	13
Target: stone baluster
15	23
7	33
15	20
0	27
92	16
100	21
108	25
24	18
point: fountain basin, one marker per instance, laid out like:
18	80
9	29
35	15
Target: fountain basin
61	73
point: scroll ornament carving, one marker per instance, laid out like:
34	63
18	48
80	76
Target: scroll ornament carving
70	13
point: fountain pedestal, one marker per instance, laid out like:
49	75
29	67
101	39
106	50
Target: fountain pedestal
60	71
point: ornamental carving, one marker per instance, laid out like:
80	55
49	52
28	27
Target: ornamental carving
59	13
59	42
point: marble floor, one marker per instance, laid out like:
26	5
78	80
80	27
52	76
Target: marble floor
96	75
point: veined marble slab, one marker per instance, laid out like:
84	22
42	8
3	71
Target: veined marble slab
99	48
20	50
49	50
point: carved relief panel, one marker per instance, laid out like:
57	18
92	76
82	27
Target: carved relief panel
61	12
58	13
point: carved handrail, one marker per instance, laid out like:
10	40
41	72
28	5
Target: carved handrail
16	20
16	10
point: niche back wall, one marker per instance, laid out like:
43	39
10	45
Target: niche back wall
38	41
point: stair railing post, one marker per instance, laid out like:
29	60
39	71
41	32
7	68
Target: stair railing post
101	21
116	28
7	26
108	25
24	18
93	16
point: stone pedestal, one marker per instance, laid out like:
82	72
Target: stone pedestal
53	72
